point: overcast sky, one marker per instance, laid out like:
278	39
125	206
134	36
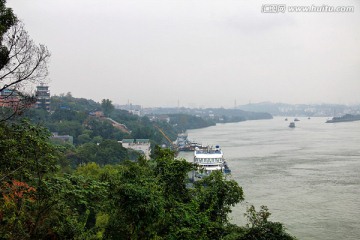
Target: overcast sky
197	53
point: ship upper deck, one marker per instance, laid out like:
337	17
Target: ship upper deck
208	153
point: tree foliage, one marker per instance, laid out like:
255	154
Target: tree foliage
7	19
146	199
259	227
22	63
27	157
25	151
107	106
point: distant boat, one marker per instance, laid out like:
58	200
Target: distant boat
296	120
292	125
286	119
308	117
345	118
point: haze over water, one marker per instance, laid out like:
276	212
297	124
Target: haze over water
307	176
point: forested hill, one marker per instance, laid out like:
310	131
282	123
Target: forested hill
90	122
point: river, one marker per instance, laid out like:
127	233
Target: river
308	176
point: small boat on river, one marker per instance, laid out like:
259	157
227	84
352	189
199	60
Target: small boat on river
292	125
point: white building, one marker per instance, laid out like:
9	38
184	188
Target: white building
140	145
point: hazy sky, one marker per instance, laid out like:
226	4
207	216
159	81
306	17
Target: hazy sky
198	53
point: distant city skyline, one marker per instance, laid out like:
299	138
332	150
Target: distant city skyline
197	53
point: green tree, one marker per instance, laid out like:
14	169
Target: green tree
173	176
72	128
83	138
216	195
7	19
37	201
107	107
110	152
153	200
25	151
259	227
106	152
26	158
97	139
86	153
138	204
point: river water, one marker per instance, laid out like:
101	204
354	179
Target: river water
308	176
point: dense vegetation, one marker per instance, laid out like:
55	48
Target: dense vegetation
43	198
73	116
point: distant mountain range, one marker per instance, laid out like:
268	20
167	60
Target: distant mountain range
309	110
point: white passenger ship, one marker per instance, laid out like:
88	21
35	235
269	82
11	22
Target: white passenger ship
209	160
